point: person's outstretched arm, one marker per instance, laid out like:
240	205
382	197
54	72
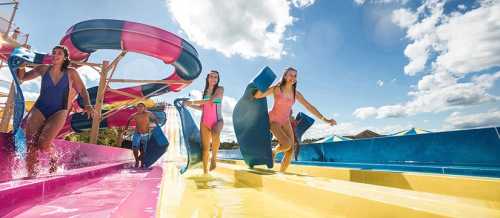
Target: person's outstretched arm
191	105
219	93
300	98
32	74
82	91
268	92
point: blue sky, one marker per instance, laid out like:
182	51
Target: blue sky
350	54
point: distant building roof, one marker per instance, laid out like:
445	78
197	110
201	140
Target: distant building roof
365	134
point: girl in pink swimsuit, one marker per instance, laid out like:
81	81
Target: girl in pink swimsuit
285	93
211	118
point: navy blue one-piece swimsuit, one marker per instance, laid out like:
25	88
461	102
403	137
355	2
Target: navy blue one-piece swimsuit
53	97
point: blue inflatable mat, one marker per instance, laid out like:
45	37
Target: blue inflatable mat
157	146
19	56
251	122
303	123
191	135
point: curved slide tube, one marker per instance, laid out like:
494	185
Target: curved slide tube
251	122
88	36
191	135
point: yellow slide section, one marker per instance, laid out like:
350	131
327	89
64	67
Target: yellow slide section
233	190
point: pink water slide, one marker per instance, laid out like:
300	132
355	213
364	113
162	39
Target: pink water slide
97	180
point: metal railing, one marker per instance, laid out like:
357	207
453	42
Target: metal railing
20	37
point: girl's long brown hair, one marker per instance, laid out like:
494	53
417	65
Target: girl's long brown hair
216	84
67	61
283	81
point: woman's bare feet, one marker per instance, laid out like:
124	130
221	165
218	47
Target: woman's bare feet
213	164
32	169
53	164
32	163
273	154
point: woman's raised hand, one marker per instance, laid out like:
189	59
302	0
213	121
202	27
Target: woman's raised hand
332	122
89	110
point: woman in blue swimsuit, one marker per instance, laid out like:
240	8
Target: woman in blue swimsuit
48	115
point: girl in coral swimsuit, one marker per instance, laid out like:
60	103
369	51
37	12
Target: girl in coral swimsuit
285	93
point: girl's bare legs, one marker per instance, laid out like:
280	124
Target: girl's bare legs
34	124
49	132
215	143
284	135
287	159
206	136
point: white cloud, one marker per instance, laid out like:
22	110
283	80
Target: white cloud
195	94
418	53
462	7
31	96
302	3
448	47
470	42
291	38
5	74
361	2
427	25
462	43
88	75
486	80
365	112
33	85
380	83
403	17
423	36
228	104
239	27
30	88
391	111
3	90
458	121
456	95
430	98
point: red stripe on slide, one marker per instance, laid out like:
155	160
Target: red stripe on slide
121	117
111	97
151	41
176	87
74	53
